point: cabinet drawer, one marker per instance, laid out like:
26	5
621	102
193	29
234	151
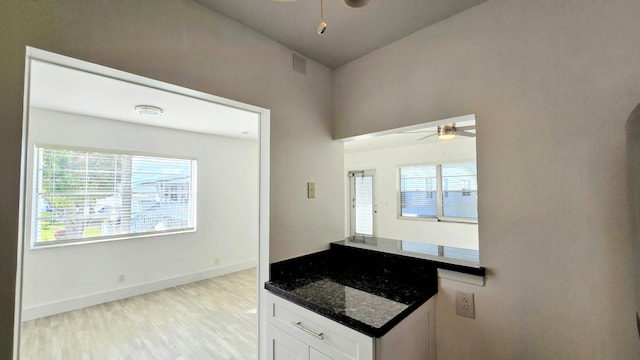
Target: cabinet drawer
331	338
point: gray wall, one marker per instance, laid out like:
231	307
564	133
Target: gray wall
552	84
180	42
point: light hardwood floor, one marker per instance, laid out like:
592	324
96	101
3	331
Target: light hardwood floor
209	319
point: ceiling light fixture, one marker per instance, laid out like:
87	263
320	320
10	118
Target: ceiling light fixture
148	110
323	25
446	132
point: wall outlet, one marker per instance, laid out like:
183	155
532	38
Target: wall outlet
465	305
122	278
216	261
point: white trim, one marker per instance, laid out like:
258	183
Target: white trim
263	219
461	277
351	176
264	169
38	311
93	68
17	309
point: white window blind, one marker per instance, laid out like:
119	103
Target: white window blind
87	195
460	190
441	191
418	191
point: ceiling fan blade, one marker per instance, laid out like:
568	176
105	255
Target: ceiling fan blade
465	133
464	128
428	136
418	131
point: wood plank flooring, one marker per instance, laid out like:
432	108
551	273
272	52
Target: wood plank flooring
209	319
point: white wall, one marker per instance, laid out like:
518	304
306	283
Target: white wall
227	217
182	43
552	84
385	162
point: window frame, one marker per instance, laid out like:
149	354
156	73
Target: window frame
33	206
439	217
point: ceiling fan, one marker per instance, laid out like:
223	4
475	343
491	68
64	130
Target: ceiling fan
449	131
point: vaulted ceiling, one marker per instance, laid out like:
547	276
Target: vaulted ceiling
351	32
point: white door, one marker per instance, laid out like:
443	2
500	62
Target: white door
363	207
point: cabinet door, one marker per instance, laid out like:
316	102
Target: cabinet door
317	355
282	346
337	342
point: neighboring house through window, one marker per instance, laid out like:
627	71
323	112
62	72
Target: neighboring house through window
446	192
86	195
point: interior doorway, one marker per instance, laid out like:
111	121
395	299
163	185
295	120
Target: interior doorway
101	259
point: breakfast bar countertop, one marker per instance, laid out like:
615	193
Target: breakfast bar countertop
365	290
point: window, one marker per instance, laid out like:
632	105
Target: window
83	196
439	191
460	190
418	191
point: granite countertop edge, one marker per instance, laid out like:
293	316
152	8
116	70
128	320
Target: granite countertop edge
404	279
376	332
440	261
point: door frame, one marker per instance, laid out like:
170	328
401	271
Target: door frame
351	175
263	173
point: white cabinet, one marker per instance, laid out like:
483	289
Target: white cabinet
317	355
281	345
294	332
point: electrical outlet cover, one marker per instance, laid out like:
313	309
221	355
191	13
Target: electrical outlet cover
465	305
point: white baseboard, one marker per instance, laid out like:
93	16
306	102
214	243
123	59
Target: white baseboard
61	306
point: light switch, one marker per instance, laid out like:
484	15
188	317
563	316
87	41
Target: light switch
311	190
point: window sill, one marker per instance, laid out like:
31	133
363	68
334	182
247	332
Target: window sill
67	243
442	219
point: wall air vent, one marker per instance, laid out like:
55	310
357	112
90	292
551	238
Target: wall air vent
299	64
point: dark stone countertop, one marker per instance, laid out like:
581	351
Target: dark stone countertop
444	257
368	291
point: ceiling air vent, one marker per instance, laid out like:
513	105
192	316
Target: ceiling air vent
299	64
